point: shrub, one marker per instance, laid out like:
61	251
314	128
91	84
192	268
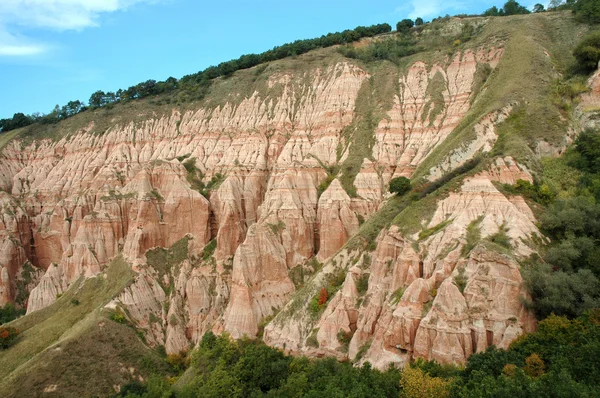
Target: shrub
9	313
587	51
399	185
362	284
118	316
8	335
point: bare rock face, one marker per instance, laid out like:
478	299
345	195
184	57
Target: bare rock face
239	180
488	312
337	222
438	295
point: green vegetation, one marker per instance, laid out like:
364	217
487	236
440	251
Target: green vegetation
8	335
404	25
461	279
391	49
400	185
194	86
565	281
362	283
587	51
426	233
9	313
277	228
501	238
62	324
246	368
163	260
587	11
511	7
194	176
209	250
560	359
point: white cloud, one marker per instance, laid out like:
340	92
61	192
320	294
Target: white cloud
11	45
61	15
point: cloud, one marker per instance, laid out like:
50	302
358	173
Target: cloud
59	15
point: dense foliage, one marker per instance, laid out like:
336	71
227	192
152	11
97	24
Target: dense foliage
511	7
400	185
586	10
9	313
561	359
391	49
247	368
8	336
587	51
566	280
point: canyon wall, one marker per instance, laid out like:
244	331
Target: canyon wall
230	212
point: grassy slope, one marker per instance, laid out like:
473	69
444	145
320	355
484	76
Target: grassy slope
74	346
524	76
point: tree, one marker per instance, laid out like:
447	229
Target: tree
587	11
400	185
493	12
511	7
417	384
538	8
419	21
404	25
97	99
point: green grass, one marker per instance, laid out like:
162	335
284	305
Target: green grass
44	328
163	260
523	76
89	363
6	137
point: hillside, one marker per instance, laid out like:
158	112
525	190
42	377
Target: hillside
261	208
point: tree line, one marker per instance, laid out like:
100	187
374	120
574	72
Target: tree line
193	82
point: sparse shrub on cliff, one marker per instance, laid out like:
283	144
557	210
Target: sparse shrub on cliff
362	283
277	228
118	316
461	280
209	250
501	238
8	336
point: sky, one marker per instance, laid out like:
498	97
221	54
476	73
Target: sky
55	51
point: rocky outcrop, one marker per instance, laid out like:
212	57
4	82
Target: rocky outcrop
441	294
244	172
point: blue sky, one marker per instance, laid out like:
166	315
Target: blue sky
54	51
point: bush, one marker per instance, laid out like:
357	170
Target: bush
8	335
400	185
587	51
9	313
